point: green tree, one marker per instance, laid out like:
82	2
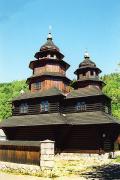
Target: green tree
112	89
7	92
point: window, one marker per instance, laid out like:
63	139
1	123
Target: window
81	106
84	73
37	85
24	108
44	106
106	109
55	56
91	73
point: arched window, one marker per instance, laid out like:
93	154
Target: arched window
23	108
44	106
81	106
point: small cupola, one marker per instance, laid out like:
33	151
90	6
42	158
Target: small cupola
49	45
87	73
87	61
49	49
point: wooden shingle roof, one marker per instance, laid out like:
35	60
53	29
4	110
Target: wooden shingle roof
46	60
50	92
83	118
96	117
84	92
33	120
49	74
84	68
49	44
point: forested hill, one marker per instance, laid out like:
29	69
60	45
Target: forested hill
10	90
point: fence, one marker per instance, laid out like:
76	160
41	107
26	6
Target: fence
28	152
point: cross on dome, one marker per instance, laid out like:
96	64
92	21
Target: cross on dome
49	36
86	54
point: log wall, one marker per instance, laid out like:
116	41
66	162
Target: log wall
65	107
35	109
49	83
49	68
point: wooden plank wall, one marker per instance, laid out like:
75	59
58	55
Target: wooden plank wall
36	133
49	68
20	154
49	83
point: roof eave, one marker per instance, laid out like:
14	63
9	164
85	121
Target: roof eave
65	64
37	54
50	75
87	67
75	97
24	98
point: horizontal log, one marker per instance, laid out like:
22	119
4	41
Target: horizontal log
56	107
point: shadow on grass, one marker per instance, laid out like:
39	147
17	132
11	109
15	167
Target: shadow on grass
106	172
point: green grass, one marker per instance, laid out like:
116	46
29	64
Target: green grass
117	159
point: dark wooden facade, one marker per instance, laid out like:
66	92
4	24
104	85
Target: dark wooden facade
70	138
78	119
65	106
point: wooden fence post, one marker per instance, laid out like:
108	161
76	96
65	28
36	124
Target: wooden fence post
47	154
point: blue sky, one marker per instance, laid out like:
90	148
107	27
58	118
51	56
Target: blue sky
76	25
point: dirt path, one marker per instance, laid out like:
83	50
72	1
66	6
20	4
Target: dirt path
4	176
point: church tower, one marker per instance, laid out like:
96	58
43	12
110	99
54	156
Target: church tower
88	74
49	70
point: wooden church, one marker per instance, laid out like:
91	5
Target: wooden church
78	119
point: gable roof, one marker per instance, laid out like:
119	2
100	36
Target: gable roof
50	92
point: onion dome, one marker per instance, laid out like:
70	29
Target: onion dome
87	61
49	45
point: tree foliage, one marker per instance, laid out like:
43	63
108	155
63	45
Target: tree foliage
7	92
112	89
